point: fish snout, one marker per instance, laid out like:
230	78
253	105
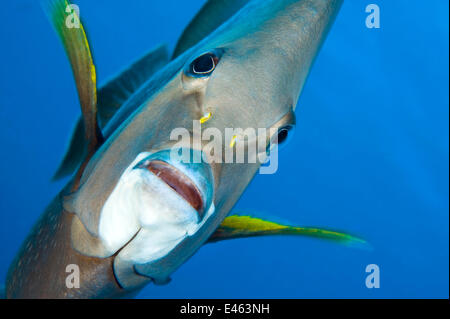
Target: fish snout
159	201
186	172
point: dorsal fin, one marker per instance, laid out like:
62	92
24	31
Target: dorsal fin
210	17
111	96
237	226
118	89
67	24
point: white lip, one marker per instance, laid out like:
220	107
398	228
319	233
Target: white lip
144	206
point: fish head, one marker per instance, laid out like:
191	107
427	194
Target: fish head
164	180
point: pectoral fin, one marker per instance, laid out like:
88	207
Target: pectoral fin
66	22
236	226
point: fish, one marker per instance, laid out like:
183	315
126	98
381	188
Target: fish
140	203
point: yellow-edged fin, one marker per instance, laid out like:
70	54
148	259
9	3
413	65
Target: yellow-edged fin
237	226
76	45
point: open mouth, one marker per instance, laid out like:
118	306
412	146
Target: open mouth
157	203
178	181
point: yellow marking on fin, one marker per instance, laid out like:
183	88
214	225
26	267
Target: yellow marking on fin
205	117
77	48
233	141
236	226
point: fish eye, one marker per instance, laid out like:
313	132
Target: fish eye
282	134
204	65
281	137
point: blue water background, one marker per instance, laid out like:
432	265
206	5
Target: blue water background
370	153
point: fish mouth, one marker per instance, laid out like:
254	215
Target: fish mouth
158	202
192	180
178	181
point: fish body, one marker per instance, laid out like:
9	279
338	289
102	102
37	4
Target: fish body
131	214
